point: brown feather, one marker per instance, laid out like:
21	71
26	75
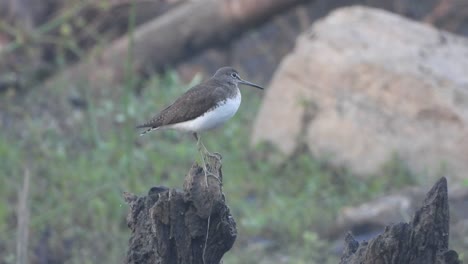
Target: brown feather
201	97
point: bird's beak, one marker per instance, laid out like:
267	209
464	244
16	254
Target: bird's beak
250	84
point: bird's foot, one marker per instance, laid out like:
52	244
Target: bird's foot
214	155
204	156
207	173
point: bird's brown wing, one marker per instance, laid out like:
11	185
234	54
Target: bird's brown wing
197	97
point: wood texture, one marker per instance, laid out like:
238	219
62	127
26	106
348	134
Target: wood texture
171	226
425	240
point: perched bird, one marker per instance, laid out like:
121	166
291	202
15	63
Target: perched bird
205	106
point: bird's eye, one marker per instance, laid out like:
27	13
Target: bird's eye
234	75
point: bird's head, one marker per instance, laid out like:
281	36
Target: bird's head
230	75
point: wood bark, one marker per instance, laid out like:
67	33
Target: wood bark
425	240
189	226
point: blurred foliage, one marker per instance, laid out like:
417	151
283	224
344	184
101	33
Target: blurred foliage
37	38
41	39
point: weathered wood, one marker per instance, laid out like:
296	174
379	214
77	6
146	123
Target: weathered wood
424	240
193	226
165	40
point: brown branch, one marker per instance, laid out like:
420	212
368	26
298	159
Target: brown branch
182	31
23	216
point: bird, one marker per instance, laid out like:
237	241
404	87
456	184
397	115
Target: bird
203	107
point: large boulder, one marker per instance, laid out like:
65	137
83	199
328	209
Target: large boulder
363	85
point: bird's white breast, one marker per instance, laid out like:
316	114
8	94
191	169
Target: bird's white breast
214	117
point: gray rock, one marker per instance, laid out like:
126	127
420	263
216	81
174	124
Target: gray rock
363	85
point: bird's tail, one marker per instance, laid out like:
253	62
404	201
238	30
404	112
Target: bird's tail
149	129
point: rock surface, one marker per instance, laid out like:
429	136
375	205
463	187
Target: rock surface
363	85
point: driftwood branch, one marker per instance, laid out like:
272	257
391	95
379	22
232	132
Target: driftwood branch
182	31
424	240
193	226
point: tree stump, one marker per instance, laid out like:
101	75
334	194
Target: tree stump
422	241
189	226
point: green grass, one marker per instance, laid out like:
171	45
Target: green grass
77	210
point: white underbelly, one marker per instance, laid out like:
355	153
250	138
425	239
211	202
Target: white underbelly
213	118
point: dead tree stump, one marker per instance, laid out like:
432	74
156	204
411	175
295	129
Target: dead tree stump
189	226
422	241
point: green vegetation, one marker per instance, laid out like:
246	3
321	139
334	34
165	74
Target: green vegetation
78	214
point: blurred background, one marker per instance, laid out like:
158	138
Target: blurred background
364	108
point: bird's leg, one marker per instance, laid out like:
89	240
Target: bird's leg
201	147
203	152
